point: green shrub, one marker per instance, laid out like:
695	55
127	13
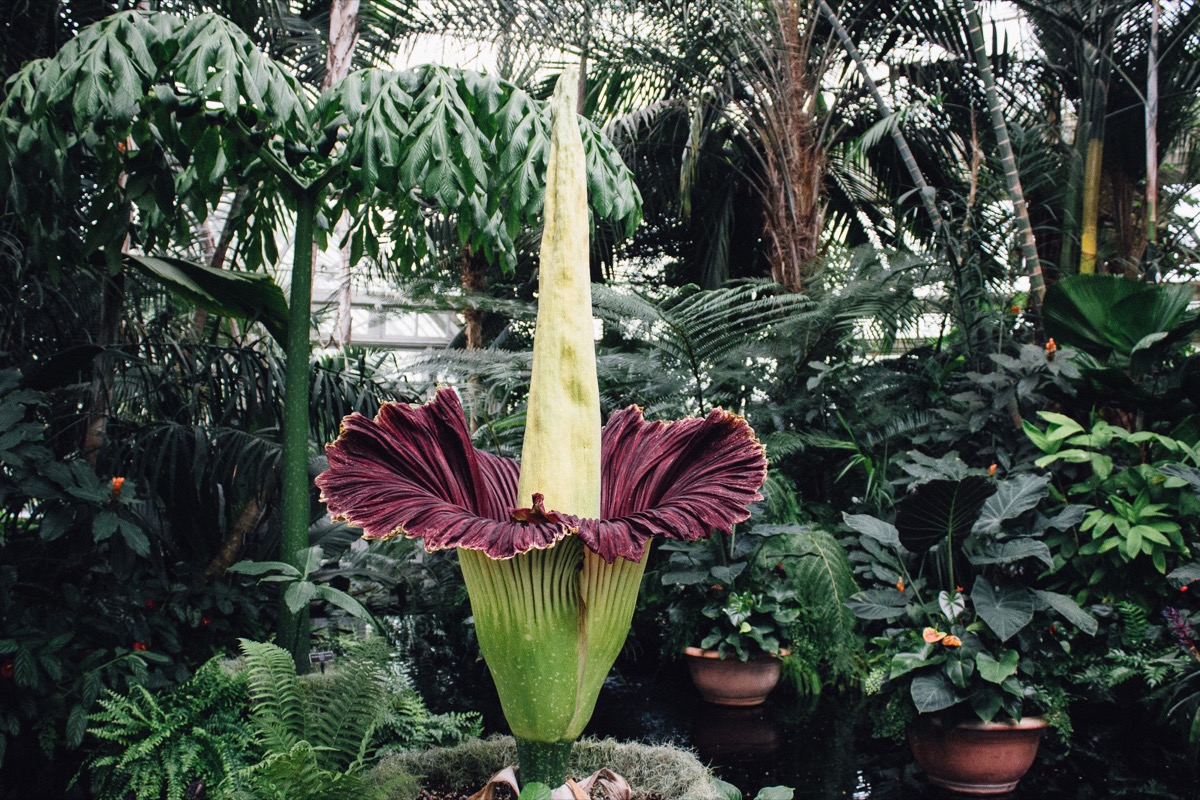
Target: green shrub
172	745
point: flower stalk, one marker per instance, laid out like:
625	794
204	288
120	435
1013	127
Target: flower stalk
553	551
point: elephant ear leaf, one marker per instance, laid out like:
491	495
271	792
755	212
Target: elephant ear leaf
231	293
941	510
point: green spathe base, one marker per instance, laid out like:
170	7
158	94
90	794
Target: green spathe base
543	762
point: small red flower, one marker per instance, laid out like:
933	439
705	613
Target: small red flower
1053	629
991	470
117	483
140	646
1016	310
205	621
958	589
1183	588
6	669
900	584
150	604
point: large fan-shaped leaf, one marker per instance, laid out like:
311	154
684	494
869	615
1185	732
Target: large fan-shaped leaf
941	511
1106	315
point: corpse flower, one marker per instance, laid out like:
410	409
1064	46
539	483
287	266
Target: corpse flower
552	551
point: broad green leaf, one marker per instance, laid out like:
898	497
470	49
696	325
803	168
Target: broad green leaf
535	791
986	703
1062	425
997	671
134	537
904	663
299	594
1039	439
775	793
726	791
877	604
1184	575
244	295
104	525
883	532
932	693
1013	497
1012	551
1006	610
941	511
343	601
1069	610
263	567
727	574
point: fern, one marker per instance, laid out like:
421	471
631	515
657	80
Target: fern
818	568
155	747
280	709
316	732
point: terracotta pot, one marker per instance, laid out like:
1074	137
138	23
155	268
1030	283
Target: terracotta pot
977	758
729	681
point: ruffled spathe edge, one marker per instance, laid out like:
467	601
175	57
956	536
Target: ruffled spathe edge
413	471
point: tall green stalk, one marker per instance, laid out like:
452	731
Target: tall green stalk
293	626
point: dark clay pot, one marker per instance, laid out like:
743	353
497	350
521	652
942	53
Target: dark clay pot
730	682
976	758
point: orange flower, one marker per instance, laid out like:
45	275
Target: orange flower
900	584
1051	348
932	635
1016	309
117	483
952	641
991	470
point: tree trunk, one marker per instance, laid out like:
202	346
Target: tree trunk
474	281
1012	179
795	164
1152	137
926	193
1089	215
235	539
343	36
112	300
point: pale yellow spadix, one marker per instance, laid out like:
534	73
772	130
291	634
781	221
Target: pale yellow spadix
560	458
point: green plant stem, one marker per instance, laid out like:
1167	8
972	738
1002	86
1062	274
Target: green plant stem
293	627
543	762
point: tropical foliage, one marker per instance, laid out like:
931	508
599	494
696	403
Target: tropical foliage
847	211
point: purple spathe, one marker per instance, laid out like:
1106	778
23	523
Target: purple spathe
413	471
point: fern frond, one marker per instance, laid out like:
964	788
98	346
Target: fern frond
280	711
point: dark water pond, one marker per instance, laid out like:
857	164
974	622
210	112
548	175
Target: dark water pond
824	749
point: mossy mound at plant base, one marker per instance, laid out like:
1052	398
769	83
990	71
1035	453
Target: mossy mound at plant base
652	770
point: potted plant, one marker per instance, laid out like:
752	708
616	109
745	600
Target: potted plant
965	633
738	605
